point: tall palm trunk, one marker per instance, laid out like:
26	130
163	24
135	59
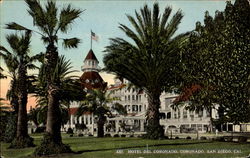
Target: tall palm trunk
22	126
154	130
53	115
22	139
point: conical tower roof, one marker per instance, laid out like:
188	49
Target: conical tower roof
91	56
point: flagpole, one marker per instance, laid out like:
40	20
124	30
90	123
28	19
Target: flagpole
90	39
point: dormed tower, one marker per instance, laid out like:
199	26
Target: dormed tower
90	62
90	78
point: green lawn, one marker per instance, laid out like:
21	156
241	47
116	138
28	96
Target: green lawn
89	147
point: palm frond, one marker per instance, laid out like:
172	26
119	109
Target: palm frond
67	17
5	50
51	16
38	57
71	42
38	15
15	26
13	41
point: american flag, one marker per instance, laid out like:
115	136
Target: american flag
94	36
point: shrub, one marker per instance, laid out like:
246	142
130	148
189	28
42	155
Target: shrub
70	131
131	135
107	135
221	139
242	139
203	138
123	135
188	137
177	137
22	142
116	135
90	135
80	135
10	130
71	135
227	139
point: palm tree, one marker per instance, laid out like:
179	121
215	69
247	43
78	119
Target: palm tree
149	58
20	48
70	91
50	23
97	102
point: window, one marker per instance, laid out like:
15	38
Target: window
184	113
128	97
199	127
133	97
200	113
193	126
86	119
205	127
128	107
136	97
125	97
169	115
93	63
139	107
90	121
133	108
191	113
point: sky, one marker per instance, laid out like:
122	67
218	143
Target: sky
103	18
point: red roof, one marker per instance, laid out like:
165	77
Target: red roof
72	111
117	87
91	55
187	92
92	80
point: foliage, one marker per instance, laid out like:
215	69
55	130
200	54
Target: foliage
20	142
97	102
70	131
70	90
50	21
216	58
10	129
149	59
80	126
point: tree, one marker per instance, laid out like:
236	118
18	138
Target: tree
217	58
50	23
97	102
20	48
149	58
70	90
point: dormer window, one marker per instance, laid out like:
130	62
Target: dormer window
87	81
96	81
